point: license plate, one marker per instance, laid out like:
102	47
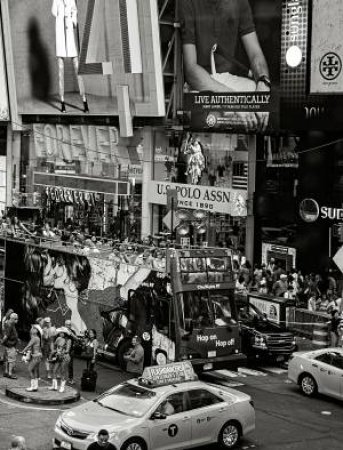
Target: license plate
208	366
65	445
211	354
280	358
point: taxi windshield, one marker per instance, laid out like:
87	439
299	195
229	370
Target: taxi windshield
128	399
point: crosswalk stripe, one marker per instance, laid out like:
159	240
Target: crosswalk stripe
227	373
275	370
246	371
230	384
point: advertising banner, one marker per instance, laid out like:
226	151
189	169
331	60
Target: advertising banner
107	52
311	65
207	198
268	307
327	48
88	290
4	110
231	54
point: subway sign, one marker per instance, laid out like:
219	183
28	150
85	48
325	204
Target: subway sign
310	211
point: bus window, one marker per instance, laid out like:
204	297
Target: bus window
224	309
195	307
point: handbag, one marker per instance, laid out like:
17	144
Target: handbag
27	356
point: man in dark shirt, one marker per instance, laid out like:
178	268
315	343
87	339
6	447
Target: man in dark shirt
210	30
102	442
10	341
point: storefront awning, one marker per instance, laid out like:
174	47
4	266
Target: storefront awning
80	183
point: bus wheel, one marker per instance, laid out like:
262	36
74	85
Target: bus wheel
161	358
124	348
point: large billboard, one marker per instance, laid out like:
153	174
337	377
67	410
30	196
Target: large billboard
4	111
231	57
105	52
311	65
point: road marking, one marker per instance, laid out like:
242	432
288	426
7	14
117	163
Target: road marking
275	370
228	373
255	373
326	413
35	408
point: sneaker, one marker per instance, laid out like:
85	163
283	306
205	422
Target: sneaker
13	377
70	382
5	375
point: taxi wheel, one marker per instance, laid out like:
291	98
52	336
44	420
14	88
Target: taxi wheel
229	435
134	444
308	385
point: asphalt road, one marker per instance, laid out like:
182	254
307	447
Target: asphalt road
284	418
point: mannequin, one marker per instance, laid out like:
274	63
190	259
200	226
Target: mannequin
65	12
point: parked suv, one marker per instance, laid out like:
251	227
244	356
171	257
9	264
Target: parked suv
262	338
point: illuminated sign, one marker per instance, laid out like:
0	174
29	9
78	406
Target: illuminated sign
310	211
311	65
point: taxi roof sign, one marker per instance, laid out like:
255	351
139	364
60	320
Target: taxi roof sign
166	374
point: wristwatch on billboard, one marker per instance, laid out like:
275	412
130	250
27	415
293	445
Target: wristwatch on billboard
264	79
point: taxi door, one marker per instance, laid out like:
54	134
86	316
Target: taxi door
208	414
329	376
174	431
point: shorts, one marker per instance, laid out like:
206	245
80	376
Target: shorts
10	354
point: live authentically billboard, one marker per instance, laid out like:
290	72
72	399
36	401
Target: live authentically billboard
311	93
206	198
106	52
231	57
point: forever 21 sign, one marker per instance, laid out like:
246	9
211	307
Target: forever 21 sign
220	200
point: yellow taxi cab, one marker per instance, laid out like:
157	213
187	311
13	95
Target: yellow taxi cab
167	408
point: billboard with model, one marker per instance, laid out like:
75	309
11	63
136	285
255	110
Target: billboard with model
231	54
86	56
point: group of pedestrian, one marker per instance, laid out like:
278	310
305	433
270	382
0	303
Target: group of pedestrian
313	291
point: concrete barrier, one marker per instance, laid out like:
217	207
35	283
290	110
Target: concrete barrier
320	337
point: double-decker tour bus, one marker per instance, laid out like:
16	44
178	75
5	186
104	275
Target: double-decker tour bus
186	313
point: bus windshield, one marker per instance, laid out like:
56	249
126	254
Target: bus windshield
206	309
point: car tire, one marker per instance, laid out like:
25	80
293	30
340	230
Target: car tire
134	444
230	435
308	385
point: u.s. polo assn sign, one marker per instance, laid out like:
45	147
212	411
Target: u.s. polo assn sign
208	198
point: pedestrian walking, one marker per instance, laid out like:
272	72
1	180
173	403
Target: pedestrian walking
60	358
73	338
48	337
9	341
6	317
18	443
333	324
135	358
33	356
102	442
91	347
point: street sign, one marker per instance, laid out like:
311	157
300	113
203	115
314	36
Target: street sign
170	220
338	259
